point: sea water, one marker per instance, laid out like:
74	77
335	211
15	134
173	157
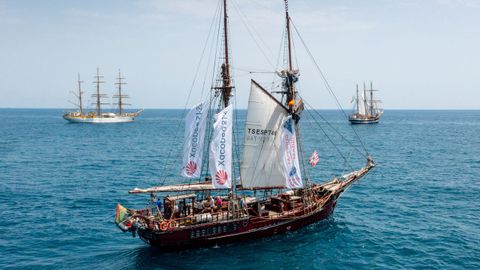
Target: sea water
418	209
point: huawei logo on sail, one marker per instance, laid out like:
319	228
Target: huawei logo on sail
191	168
221	177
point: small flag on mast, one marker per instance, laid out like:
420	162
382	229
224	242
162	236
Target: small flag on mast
314	159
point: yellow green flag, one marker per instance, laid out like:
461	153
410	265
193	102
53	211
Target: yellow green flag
120	213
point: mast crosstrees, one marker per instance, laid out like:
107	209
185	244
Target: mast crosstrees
120	82
98	95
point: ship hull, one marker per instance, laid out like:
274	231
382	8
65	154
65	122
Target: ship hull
209	235
363	121
98	120
359	119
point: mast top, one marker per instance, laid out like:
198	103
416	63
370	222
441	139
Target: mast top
291	77
225	73
287	17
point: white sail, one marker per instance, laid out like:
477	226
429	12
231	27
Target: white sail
221	149
290	157
361	104
195	126
262	164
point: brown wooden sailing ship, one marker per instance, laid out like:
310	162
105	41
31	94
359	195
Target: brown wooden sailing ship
270	192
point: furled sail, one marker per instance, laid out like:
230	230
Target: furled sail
195	126
262	164
221	149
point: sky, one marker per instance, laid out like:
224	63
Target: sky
420	54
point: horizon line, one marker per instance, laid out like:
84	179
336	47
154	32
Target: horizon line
327	109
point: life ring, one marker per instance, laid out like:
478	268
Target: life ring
128	224
172	224
164	225
245	223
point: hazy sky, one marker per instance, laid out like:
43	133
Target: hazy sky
422	54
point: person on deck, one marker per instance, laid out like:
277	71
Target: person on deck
159	206
207	206
212	203
198	207
218	203
181	208
168	210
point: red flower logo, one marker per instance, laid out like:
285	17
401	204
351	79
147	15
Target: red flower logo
221	176
191	168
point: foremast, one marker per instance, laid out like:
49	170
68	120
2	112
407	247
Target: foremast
227	85
225	73
289	79
98	95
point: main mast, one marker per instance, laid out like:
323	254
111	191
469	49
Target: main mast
119	83
226	85
80	95
98	95
365	104
371	98
358	101
290	91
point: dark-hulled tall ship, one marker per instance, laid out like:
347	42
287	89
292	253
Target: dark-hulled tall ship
266	192
366	110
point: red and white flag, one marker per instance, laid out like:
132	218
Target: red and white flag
314	159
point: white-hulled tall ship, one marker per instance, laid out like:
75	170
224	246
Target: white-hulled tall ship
366	110
98	116
224	198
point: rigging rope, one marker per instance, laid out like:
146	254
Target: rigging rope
214	97
330	139
249	28
334	129
169	155
327	85
252	71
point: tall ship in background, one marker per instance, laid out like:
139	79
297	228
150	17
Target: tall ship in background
224	197
366	110
98	116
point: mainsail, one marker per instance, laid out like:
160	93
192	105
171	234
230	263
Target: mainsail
361	104
262	165
195	126
221	149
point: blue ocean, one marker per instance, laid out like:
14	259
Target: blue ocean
418	209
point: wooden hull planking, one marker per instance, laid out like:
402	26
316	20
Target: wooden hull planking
211	234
